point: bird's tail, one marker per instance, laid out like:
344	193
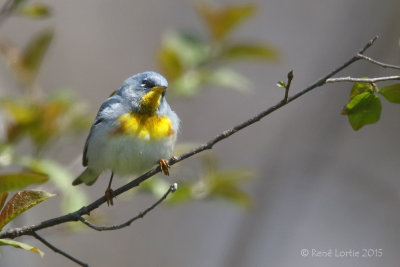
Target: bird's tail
88	177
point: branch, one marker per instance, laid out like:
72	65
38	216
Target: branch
56	250
290	77
171	189
75	216
366	80
381	64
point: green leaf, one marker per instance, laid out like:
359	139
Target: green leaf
363	109
188	84
249	51
222	21
183	194
34	53
169	61
187	50
26	63
20	111
361	87
73	196
156	186
20	180
21	202
391	93
36	10
227	184
228	78
16	244
6	155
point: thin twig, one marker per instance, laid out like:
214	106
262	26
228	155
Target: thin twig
171	189
383	65
74	216
366	80
290	77
57	250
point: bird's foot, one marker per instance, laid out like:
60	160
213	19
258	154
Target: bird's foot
164	166
109	194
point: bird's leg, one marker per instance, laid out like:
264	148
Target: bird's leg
164	166
109	194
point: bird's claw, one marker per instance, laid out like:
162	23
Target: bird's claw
164	166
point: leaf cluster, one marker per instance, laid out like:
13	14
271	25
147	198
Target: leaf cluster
211	184
30	114
365	106
190	62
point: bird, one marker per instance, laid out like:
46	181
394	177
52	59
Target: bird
134	129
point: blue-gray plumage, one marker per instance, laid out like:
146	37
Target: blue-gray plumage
129	133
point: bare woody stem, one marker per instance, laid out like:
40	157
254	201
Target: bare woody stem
366	80
171	189
290	77
57	250
75	216
381	64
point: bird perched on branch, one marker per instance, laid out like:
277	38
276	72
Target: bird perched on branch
134	129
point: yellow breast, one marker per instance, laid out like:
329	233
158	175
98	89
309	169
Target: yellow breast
144	126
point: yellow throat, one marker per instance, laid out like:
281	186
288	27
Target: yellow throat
145	123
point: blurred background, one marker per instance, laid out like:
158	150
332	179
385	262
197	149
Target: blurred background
301	178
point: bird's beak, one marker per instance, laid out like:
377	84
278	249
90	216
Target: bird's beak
159	89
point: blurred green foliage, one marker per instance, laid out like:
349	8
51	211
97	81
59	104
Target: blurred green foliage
211	183
32	115
191	62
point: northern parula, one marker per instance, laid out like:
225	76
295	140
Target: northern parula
134	129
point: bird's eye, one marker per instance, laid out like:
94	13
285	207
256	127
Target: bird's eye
148	83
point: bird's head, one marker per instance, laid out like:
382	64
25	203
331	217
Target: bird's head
149	88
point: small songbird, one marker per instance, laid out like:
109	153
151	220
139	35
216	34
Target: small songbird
134	129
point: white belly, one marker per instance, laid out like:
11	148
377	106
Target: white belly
130	155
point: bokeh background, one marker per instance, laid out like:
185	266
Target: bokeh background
317	184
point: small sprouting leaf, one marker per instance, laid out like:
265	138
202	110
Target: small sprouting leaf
222	21
16	244
20	180
21	202
361	87
281	84
36	10
3	198
363	109
391	93
249	51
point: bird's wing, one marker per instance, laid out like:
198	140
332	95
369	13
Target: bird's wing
110	110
